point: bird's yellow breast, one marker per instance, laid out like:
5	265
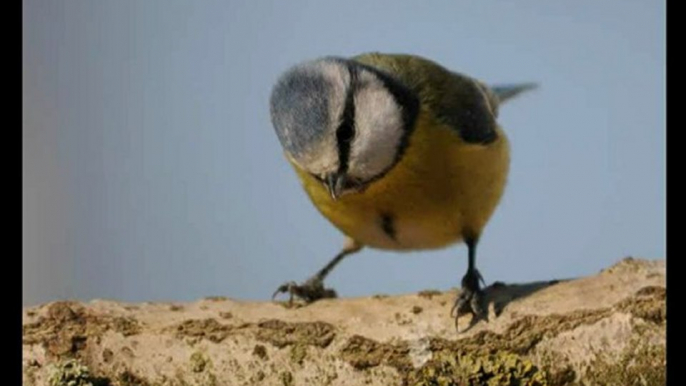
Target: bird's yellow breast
442	189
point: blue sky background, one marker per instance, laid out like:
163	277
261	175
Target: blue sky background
151	170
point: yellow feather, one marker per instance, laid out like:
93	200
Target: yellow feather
441	190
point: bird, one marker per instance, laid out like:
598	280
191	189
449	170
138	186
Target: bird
397	152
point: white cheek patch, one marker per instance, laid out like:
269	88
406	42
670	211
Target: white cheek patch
339	80
378	130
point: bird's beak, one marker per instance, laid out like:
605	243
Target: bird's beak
335	183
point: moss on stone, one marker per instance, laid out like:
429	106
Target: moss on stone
501	369
298	353
198	362
72	373
67	328
641	364
286	378
282	334
208	329
127	378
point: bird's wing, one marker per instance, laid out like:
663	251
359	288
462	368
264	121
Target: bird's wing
455	99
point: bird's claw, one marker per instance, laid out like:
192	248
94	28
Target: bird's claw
309	291
285	287
470	300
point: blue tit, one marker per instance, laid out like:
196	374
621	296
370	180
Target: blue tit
398	153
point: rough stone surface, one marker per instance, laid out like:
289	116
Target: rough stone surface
605	329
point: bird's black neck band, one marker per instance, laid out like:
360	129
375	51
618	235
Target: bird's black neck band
346	130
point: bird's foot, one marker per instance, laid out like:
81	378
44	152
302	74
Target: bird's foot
470	300
309	291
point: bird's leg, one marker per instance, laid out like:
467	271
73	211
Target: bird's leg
470	299
313	288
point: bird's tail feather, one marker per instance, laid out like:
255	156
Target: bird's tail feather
505	92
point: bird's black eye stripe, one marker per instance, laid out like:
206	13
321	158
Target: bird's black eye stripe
346	131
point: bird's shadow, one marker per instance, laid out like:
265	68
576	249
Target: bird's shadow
500	295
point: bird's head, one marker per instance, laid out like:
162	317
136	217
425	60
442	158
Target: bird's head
344	123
